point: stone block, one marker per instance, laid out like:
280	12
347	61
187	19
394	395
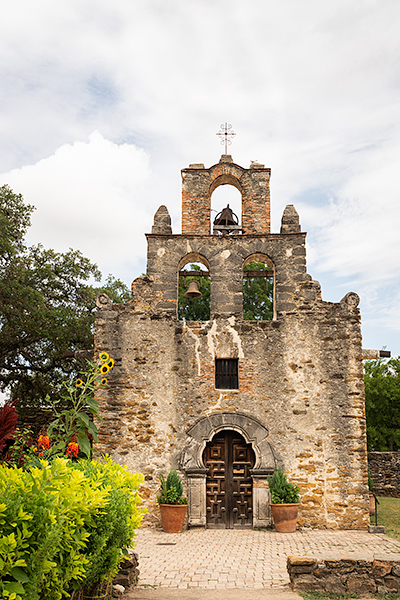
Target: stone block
297	561
307	583
357	584
118	590
376	529
334	585
122	580
396	570
380	568
392	583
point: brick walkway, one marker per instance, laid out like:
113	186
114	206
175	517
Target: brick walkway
243	559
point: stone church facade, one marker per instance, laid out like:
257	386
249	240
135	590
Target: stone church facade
227	400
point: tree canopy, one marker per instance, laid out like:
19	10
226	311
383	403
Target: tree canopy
46	306
382	403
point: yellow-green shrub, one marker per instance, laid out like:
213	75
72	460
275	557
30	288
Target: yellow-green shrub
114	530
49	519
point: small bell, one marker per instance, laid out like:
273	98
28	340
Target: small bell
193	290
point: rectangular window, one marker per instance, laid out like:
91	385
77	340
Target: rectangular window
226	373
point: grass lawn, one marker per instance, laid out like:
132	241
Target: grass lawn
389	516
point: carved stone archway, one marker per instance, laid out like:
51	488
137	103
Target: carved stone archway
256	434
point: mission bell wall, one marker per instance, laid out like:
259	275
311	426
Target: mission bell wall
300	400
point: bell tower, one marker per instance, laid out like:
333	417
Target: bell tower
229	395
198	183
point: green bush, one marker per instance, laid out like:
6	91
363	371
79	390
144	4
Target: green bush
114	529
52	517
283	492
171	489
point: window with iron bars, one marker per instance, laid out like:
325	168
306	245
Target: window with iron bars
227	373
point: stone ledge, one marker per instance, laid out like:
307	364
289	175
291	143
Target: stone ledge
376	529
359	574
128	574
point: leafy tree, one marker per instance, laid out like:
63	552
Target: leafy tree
194	309
46	307
14	222
382	401
257	294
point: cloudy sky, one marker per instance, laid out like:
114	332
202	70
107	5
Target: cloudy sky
104	102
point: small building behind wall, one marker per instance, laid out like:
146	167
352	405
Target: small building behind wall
228	400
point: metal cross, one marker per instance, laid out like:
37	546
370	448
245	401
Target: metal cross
226	134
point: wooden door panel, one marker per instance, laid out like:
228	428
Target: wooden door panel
229	489
216	484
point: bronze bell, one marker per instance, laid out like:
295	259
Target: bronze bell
193	290
226	217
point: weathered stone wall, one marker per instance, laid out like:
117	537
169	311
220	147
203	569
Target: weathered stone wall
292	379
300	375
37	420
344	575
384	468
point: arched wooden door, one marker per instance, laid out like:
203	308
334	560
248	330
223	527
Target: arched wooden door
229	486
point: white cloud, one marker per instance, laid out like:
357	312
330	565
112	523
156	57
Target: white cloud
356	231
89	196
310	87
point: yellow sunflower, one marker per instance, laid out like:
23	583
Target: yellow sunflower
104	369
103	356
79	382
103	381
110	363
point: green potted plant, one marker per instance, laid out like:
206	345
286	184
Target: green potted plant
173	505
285	504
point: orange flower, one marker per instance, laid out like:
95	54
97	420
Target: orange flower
72	450
40	453
44	442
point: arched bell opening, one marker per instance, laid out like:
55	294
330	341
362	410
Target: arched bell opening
258	288
194	288
226	207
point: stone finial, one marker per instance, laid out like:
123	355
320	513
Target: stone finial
351	299
290	220
162	221
103	301
226	158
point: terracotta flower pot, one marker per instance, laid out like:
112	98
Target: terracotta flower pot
173	517
285	517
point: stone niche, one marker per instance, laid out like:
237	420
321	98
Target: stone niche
296	396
